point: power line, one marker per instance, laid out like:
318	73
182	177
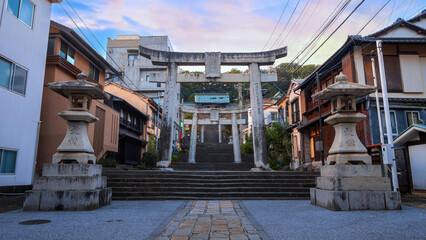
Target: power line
307	21
139	96
338	27
276	25
390	15
321	30
294	24
93	35
285	25
324	26
384	5
328	25
344	61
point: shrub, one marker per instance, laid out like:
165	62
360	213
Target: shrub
175	158
248	146
149	159
107	162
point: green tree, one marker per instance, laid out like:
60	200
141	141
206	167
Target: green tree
279	139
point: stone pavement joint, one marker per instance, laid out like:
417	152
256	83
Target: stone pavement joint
209	220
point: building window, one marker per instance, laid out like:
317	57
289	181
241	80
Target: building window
22	9
158	84
12	76
50	46
7	161
295	111
274	116
393	123
413	117
147	78
131	59
67	52
93	72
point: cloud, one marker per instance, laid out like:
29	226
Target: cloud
223	25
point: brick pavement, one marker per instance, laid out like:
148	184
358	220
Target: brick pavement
210	220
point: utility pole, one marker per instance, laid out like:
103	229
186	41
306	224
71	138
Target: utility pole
387	150
379	115
320	144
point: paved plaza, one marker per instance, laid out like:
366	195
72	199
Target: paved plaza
177	220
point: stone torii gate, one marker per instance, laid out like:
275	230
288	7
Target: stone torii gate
214	119
213	61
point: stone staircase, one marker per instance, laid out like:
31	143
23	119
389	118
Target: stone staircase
181	185
214	157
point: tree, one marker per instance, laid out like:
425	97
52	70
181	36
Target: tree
279	139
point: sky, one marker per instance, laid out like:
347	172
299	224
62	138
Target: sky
232	25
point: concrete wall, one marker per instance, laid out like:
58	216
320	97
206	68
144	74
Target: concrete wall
19	115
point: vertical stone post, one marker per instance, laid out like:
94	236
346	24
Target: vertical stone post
236	139
220	133
193	141
258	122
168	117
202	134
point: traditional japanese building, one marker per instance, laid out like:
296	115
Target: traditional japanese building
404	53
139	120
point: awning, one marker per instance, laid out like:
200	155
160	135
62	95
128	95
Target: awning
126	134
303	125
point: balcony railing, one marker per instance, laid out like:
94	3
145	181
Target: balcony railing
131	126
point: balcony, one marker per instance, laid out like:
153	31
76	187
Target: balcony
130	126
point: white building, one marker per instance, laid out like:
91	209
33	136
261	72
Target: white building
24	32
139	71
140	75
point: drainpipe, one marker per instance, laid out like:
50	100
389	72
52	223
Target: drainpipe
35	152
1	14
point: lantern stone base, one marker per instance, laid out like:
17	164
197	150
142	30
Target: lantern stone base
69	187
349	188
73	157
342	159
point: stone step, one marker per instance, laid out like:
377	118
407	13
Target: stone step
162	198
213	185
208	177
304	195
207	173
136	190
162	185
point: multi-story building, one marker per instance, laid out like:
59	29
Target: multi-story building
68	55
24	30
404	54
139	118
138	71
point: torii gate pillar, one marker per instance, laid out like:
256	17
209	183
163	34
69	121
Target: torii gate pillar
167	122
260	150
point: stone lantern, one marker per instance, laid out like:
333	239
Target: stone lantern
76	147
349	181
73	181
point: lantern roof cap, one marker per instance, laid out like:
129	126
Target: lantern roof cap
79	86
343	88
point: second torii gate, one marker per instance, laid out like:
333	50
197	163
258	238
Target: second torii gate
214	119
213	62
